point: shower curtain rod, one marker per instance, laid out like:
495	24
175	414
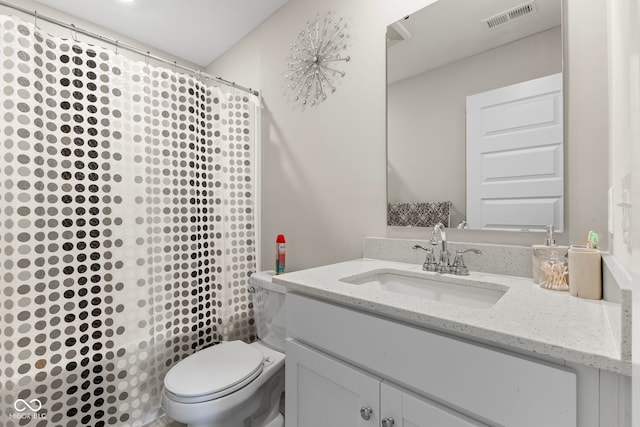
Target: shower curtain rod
124	46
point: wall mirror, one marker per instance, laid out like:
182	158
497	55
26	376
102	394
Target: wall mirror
450	127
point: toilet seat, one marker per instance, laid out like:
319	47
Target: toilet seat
214	372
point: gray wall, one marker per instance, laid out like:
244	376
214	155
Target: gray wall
324	168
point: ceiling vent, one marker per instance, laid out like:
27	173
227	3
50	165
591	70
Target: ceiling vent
510	15
397	33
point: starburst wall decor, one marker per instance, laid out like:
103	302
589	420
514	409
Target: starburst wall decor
319	48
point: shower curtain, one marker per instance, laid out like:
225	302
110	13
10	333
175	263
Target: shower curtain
126	227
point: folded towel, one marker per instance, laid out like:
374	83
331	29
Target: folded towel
424	214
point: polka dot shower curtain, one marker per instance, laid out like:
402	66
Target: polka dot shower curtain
126	227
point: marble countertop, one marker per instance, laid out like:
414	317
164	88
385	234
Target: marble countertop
526	317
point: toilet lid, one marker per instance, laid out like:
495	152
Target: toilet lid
215	371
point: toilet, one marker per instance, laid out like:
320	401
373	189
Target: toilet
234	384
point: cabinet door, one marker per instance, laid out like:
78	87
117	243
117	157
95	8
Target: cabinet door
409	410
323	392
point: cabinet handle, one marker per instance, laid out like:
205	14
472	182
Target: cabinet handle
388	422
366	412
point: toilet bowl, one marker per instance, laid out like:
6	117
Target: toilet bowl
235	384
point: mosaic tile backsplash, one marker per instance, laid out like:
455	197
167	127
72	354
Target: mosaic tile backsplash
126	228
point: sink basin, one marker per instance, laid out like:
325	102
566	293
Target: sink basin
454	291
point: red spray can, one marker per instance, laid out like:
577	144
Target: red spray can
280	254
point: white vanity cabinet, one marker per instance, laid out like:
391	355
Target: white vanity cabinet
341	361
323	391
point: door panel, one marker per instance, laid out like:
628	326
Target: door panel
515	156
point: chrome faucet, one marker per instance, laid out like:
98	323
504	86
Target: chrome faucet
458	267
463	225
430	263
443	266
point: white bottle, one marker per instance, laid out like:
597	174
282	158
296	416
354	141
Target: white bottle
585	272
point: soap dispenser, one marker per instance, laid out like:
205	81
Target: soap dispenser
542	255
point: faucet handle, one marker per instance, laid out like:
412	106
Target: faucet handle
423	248
430	261
458	267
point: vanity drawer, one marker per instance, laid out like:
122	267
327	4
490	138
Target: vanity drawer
487	384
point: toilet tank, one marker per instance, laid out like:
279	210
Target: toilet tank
269	309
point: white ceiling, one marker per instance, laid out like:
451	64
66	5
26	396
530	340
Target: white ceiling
449	30
195	30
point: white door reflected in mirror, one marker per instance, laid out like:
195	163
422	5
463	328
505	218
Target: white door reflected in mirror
515	177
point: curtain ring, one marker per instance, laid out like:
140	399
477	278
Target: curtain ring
148	57
74	35
35	19
117	41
